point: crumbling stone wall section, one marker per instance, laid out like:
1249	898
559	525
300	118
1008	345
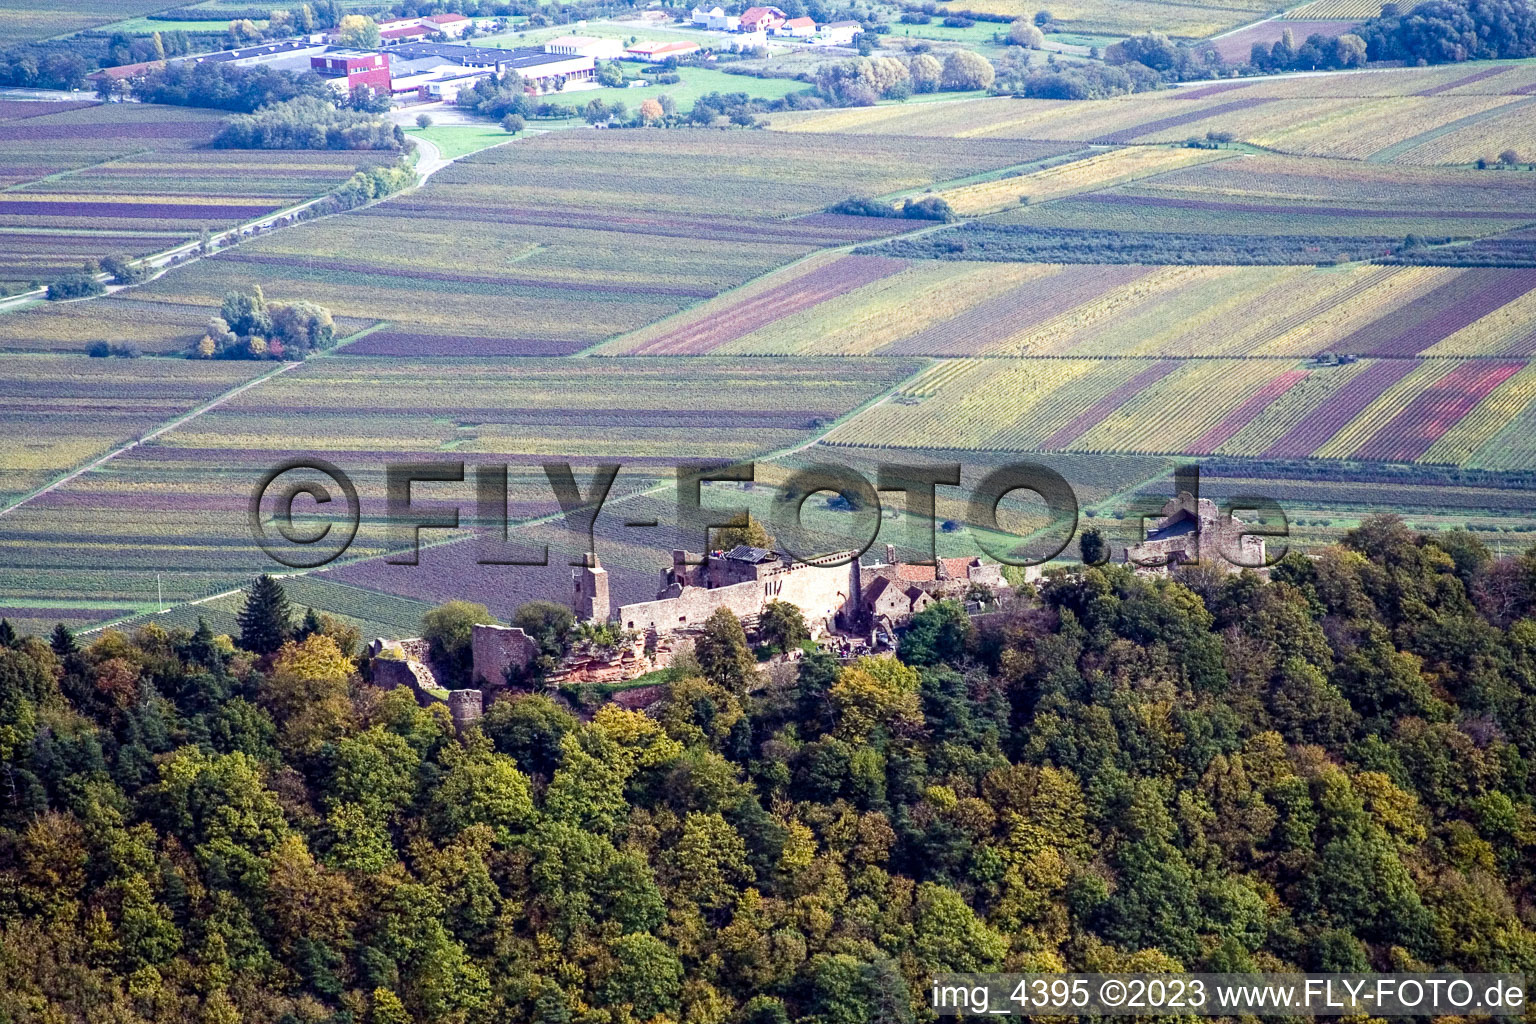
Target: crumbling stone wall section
389	673
496	648
1192	529
465	707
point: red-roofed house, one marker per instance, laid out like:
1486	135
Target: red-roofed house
909	572
125	72
405	34
658	52
762	19
798	28
450	25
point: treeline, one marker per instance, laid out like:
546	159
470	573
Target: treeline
223	86
1085	81
507	97
1443	31
305	17
860	81
925	208
1434	32
1319	52
1326	771
1026	244
309	122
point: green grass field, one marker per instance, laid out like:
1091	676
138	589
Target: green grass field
696	82
600	29
456	140
149	26
983	33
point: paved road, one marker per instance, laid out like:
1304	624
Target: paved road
430	160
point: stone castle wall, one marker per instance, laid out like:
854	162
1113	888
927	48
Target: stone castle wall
821	592
389	673
496	648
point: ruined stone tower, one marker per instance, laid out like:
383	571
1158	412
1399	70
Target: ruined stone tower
589	595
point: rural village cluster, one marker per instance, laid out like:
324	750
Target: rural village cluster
418	59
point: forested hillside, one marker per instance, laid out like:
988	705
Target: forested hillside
1327	771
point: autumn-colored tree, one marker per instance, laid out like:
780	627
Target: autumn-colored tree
357	30
1023	32
1321	770
306	693
966	70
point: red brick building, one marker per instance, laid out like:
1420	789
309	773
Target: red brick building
349	69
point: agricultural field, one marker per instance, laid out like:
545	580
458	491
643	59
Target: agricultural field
62	412
869	305
1189	19
158	328
1351	9
1236	47
26	20
1150	304
372	613
1260	194
562	258
1388	410
1443	115
177	507
129	179
43	138
1092	173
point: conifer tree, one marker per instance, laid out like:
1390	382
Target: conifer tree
265	621
62	641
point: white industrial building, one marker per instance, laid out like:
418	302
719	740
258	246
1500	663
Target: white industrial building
715	19
586	46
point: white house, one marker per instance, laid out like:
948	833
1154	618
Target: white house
586	46
839	33
715	19
797	28
451	25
